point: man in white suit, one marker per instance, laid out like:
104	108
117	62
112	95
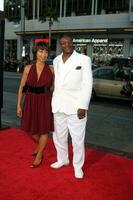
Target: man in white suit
71	97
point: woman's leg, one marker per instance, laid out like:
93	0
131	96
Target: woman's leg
41	145
36	140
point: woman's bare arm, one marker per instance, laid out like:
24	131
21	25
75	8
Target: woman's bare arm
20	90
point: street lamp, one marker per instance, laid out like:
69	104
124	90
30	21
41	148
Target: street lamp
2	30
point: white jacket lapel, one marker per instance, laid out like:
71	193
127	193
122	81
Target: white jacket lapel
69	66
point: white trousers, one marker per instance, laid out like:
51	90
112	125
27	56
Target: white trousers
76	127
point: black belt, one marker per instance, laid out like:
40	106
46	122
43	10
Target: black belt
37	90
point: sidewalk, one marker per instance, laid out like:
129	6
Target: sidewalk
12	75
9	109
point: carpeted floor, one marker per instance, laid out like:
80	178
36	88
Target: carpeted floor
107	176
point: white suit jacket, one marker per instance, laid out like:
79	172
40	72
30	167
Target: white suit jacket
73	83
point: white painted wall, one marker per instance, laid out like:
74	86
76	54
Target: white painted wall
74	22
10	29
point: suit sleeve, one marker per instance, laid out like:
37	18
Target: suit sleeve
87	81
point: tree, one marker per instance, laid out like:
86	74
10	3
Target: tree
13	9
49	15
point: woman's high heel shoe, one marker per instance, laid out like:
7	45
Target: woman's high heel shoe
34	154
37	165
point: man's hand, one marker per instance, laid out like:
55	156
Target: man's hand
81	113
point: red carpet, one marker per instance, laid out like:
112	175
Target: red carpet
107	176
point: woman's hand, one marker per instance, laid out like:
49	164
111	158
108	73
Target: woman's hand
19	112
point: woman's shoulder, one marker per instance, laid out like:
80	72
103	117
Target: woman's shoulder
27	68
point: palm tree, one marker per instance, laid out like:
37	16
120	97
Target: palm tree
13	9
49	15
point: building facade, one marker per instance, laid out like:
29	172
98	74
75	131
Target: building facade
101	29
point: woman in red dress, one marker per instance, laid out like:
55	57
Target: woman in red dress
36	113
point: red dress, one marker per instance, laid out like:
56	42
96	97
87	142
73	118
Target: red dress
37	117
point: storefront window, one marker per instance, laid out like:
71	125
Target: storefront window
10	60
29	9
45	4
104	52
78	8
112	6
11	48
131	48
102	49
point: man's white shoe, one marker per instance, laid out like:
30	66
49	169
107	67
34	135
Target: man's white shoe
57	165
78	173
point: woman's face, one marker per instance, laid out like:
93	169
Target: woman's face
42	55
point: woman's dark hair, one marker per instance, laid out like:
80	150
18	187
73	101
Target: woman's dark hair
37	46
